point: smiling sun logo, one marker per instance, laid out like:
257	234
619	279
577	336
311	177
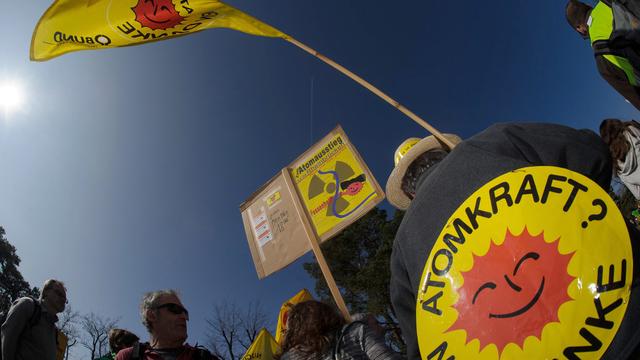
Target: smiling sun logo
525	268
517	285
157	14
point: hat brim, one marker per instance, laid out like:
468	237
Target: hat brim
395	195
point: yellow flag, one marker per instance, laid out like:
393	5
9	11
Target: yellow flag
301	296
72	25
263	347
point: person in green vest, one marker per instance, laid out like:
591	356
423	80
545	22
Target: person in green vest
619	65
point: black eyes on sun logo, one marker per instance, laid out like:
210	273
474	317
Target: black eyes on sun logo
492	286
157	8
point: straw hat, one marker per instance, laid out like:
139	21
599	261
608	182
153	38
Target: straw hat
406	153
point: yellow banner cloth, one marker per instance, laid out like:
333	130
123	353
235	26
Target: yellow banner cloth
73	25
264	347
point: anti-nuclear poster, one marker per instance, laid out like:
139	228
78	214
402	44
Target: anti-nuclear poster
274	230
334	184
329	184
536	264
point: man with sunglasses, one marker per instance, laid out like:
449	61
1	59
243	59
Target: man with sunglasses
166	319
29	332
431	182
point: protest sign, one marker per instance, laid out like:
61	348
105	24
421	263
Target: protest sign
334	184
314	198
536	264
274	230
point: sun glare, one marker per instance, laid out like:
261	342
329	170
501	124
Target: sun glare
12	97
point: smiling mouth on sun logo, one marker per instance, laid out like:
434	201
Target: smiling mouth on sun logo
157	14
513	291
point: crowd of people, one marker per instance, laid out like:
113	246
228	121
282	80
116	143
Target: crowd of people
29	331
315	331
429	181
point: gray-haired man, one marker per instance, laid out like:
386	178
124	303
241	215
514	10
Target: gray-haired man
166	319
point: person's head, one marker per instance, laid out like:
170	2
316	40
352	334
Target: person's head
311	326
54	295
577	15
121	339
412	159
612	133
165	317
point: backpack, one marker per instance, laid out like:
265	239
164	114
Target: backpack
200	352
33	320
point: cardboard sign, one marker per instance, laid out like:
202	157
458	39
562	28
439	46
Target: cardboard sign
322	192
275	232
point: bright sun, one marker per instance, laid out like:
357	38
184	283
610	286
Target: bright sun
12	96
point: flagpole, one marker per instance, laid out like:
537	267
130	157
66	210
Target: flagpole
373	89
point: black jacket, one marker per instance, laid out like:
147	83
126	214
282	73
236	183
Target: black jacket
491	153
618	80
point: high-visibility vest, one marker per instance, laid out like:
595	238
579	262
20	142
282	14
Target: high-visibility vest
600	29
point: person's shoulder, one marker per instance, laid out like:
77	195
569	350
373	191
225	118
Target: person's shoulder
357	323
200	352
354	329
125	354
523	131
26	300
24	304
106	357
528	126
296	354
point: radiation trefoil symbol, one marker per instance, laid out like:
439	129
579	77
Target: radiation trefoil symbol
344	183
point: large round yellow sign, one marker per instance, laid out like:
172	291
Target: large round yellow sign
536	264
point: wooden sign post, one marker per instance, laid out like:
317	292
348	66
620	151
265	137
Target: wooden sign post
315	247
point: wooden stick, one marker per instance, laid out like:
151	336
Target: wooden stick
328	277
315	246
375	90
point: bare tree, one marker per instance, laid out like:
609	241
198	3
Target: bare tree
252	321
68	324
232	330
96	333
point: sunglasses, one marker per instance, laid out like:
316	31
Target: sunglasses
174	309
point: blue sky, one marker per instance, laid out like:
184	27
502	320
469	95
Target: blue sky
124	171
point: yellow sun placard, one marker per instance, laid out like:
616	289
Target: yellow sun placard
536	264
